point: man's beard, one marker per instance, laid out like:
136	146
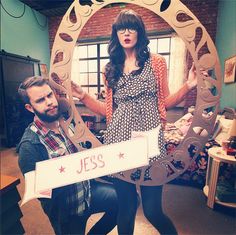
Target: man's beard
44	117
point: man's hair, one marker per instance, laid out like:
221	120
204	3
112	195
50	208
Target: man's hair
27	83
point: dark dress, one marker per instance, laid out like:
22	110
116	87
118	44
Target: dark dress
135	98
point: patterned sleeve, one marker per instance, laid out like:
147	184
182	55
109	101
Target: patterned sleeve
160	71
167	100
109	98
109	102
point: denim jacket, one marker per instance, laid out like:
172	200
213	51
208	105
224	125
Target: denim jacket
30	151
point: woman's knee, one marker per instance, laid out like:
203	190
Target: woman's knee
149	212
152	211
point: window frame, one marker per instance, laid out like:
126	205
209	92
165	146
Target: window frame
98	71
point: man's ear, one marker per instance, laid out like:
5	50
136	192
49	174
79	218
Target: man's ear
29	108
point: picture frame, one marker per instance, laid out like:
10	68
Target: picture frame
230	69
43	70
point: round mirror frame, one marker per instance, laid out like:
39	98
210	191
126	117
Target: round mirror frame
163	170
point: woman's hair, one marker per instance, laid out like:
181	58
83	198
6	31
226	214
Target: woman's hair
131	20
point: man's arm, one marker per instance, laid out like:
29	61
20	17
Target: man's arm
29	154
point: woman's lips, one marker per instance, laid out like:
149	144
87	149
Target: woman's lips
127	40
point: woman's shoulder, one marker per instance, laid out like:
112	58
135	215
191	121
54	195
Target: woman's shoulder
158	62
156	57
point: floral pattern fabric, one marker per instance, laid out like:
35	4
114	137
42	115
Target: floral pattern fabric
195	175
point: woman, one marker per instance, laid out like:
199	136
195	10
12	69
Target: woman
137	97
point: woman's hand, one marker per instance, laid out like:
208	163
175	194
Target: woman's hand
192	77
77	91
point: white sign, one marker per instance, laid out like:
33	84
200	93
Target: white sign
89	164
153	140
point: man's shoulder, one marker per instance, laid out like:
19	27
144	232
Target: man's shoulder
29	136
30	150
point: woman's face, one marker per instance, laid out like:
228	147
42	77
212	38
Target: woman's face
127	38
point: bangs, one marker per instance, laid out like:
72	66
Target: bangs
127	21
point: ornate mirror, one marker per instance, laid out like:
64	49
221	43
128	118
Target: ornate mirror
196	39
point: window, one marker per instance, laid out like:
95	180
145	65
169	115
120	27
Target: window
173	49
161	46
89	60
87	65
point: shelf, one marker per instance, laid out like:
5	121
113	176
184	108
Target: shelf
228	204
10	212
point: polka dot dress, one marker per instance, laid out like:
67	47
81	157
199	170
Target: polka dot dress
135	99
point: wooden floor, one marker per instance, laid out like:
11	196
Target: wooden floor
186	207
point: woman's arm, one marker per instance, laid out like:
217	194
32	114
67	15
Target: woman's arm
94	105
172	100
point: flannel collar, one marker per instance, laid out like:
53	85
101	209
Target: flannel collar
39	128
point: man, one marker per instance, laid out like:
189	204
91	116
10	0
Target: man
70	206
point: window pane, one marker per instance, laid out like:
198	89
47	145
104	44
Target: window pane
83	66
92	65
101	82
93	78
86	89
93	91
163	45
83	79
92	51
153	45
103	62
103	50
83	52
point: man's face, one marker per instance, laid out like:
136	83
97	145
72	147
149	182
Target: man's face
43	103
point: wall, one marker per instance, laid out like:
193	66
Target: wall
226	46
99	25
24	36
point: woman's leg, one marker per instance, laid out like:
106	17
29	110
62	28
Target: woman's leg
152	208
127	202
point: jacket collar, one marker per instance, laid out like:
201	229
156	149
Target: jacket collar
30	136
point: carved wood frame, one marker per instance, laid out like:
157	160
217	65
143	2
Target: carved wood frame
163	170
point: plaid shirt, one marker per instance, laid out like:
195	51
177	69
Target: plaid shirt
77	196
